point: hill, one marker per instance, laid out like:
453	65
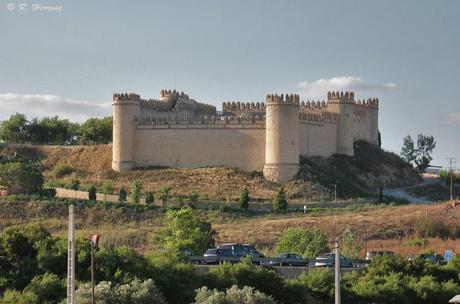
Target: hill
359	175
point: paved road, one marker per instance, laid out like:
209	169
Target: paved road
402	192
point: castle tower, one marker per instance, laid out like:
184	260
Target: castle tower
343	104
126	108
281	138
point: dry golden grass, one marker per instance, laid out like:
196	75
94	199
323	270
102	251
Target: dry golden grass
92	165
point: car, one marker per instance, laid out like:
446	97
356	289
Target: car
211	252
328	260
426	257
238	250
288	259
372	254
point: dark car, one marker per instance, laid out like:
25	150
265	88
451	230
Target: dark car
211	252
238	250
328	260
288	259
426	257
372	254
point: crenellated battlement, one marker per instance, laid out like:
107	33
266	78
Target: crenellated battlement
288	98
349	97
242	106
172	94
312	104
126	97
203	120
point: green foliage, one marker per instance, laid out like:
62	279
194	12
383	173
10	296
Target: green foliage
150	198
136	188
74	184
56	131
136	291
194	196
280	202
420	156
14	130
307	243
92	193
48	288
244	199
122	194
107	187
319	283
351	244
416	242
165	193
13	296
25	176
233	295
62	170
184	229
96	131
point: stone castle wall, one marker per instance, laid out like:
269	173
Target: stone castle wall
177	131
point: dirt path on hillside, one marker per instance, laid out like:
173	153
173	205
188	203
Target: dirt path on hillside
403	194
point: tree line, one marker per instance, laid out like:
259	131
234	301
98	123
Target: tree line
55	131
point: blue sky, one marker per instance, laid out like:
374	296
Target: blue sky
69	61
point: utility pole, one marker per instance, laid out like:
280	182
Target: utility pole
337	272
71	258
451	167
94	244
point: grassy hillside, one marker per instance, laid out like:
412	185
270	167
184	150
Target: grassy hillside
404	229
359	175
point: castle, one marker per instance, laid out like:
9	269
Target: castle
177	131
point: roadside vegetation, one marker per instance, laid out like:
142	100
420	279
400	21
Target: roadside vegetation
34	270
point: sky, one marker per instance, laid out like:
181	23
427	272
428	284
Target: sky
67	58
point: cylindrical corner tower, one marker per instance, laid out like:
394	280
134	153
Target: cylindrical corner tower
281	138
125	110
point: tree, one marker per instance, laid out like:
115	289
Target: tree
122	194
307	243
420	157
48	287
150	198
136	188
381	194
425	147
233	295
14	130
185	230
96	131
244	199
351	246
26	177
164	194
92	193
280	202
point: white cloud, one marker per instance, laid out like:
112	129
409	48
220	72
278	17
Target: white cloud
453	119
318	89
36	105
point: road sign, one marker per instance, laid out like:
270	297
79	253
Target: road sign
448	255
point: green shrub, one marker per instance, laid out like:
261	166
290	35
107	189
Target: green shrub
416	242
244	199
280	202
122	194
62	170
48	288
92	193
136	187
233	295
319	283
150	198
107	187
